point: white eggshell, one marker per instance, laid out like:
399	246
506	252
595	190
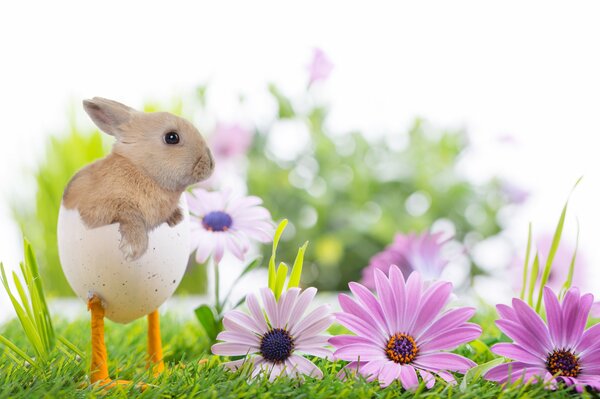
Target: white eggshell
93	263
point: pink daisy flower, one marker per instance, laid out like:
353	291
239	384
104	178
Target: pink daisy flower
275	337
230	140
411	252
320	67
561	350
222	223
402	331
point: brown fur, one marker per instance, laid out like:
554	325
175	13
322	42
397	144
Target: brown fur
139	184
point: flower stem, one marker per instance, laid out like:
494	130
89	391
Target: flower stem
218	306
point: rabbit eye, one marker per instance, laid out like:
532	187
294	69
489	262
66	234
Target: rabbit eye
171	138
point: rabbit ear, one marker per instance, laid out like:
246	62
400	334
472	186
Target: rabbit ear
108	115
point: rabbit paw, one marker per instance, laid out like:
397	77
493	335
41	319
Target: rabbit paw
134	242
175	218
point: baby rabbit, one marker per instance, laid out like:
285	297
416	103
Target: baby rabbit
138	185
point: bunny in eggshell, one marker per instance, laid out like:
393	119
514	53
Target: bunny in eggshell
123	232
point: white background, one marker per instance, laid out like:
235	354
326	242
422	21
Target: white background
530	70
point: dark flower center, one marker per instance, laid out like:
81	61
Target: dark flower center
276	345
563	363
401	348
217	221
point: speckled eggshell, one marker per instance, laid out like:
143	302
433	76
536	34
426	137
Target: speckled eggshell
93	263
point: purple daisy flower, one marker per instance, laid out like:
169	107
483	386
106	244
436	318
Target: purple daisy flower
411	252
221	222
274	338
561	350
403	332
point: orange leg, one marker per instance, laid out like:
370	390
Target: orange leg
99	366
155	353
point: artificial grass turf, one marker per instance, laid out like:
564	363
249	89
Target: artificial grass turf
193	372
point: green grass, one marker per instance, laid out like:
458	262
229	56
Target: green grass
186	344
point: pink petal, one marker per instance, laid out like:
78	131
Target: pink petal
342	340
370	303
427	377
320	317
515	352
317	351
257	314
305	366
408	376
450	339
301	305
449	320
506	312
286	305
434	299
443	361
386	299
230	349
413	295
348	305
321	340
521	336
579	319
219	247
554	316
270	306
205	247
360	352
360	327
590	339
533	323
388	373
398	288
239	338
244	320
371	369
514	371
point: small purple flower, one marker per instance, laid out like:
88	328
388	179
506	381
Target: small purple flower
411	252
561	350
320	67
402	331
230	140
274	338
222	223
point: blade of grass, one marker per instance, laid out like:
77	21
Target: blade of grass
18	351
280	280
551	253
569	280
272	271
535	269
526	265
38	297
297	268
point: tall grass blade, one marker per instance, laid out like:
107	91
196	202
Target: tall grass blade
535	269
526	265
297	268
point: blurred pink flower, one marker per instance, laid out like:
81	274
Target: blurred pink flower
411	252
514	193
222	223
596	310
560	265
320	67
230	140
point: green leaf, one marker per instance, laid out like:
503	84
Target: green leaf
551	253
206	317
272	271
280	280
535	269
526	265
297	268
476	372
285	106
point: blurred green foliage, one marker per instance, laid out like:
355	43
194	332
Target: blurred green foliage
64	156
348	195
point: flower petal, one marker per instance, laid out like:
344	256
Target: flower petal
432	302
302	303
450	339
521	336
305	366
360	352
427	377
389	372
270	306
257	314
231	349
370	303
554	316
443	361
315	322
449	320
515	352
408	376
387	301
239	338
533	323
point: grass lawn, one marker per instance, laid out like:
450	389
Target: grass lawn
189	376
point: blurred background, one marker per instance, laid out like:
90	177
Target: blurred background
356	123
